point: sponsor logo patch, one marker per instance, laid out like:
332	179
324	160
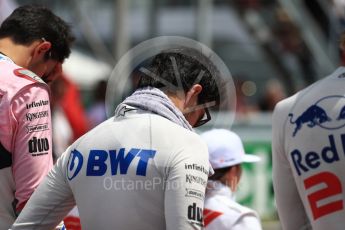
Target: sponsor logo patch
194	193
115	162
37	115
75	163
35	104
196	167
195	215
36	128
322	114
38	146
191	179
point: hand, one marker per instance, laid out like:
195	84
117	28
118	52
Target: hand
53	74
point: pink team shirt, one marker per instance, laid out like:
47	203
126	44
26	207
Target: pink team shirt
25	137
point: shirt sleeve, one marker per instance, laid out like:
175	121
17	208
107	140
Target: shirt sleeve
289	205
185	187
50	203
248	221
32	140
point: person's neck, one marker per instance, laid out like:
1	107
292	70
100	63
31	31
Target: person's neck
19	54
177	101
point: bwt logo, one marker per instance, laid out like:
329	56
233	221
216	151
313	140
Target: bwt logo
97	163
75	162
327	113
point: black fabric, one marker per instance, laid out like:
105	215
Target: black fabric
5	157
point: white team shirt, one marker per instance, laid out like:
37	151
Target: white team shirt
222	212
308	156
137	171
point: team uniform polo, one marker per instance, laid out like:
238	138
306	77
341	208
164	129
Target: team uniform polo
134	171
308	156
25	137
223	212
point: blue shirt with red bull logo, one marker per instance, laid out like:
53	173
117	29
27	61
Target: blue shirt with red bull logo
308	144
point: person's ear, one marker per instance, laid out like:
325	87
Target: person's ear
191	97
41	49
233	178
233	184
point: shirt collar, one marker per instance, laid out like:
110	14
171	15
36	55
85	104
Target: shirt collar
3	57
218	188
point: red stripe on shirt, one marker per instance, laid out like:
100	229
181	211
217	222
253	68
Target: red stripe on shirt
210	215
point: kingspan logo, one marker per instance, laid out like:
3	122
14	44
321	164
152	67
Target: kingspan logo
74	165
327	113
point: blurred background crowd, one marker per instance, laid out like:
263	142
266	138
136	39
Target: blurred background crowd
272	48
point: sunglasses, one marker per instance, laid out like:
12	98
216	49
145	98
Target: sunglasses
206	117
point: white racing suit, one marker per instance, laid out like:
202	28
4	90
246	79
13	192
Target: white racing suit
308	156
222	212
135	171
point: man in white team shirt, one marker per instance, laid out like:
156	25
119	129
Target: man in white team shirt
131	171
226	155
308	156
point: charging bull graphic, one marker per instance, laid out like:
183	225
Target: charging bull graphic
326	113
314	115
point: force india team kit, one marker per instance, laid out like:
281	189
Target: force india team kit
136	170
25	137
309	156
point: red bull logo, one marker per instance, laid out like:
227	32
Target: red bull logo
322	183
327	113
323	188
305	162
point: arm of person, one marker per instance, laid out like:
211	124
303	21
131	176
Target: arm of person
248	221
50	203
290	207
31	142
185	186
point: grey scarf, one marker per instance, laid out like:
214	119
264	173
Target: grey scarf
155	101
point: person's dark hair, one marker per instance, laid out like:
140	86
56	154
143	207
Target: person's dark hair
188	67
29	23
219	173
